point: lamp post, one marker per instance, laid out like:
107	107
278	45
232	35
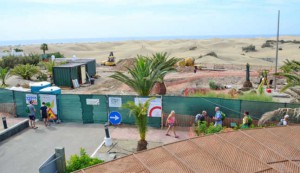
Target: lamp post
276	62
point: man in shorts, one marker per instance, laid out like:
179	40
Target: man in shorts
31	115
44	113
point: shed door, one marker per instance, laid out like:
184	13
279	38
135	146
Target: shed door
83	74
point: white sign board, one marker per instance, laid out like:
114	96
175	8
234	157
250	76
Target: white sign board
92	101
50	102
31	97
155	109
115	102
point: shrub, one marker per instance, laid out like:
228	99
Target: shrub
212	129
266	44
25	71
18	50
255	97
42	76
212	54
250	48
82	161
215	86
201	127
11	61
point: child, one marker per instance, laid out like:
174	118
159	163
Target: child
171	123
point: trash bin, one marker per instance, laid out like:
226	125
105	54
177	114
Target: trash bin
92	81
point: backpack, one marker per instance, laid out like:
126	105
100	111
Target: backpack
250	120
27	109
198	118
223	116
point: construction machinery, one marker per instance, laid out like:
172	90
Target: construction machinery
186	62
111	60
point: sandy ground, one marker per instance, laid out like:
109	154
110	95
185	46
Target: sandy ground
229	52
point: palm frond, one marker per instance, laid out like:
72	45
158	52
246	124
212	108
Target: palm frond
294	113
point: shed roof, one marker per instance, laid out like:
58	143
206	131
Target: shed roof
74	60
69	65
253	150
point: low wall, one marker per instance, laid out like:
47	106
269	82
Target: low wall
13	130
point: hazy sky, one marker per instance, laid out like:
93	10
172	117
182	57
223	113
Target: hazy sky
57	19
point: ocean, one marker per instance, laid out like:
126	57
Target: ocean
115	39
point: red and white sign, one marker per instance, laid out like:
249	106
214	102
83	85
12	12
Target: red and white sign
154	109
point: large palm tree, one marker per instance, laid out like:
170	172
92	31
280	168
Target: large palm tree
140	113
141	76
4	74
290	70
44	47
162	62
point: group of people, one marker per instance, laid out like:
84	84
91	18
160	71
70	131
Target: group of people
247	120
32	112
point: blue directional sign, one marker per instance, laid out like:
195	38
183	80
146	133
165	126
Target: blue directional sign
115	118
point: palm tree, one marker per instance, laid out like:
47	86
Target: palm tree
4	74
44	47
162	62
294	114
141	76
291	73
140	112
25	71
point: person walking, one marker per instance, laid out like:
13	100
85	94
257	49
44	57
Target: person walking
44	113
218	117
171	123
284	121
245	120
200	117
31	115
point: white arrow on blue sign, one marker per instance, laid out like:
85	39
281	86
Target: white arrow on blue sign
115	118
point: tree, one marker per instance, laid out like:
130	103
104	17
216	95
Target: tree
4	74
44	47
25	71
141	76
140	112
164	64
290	70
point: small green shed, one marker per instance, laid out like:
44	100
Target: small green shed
64	74
90	65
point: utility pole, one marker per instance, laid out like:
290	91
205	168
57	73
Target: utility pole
277	50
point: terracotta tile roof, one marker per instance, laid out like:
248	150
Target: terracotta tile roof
255	150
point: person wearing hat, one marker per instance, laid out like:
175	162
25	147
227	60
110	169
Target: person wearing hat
245	120
284	121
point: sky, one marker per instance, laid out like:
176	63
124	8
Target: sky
68	19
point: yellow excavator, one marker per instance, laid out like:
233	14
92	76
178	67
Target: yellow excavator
111	60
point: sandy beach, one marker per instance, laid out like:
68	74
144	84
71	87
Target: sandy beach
229	51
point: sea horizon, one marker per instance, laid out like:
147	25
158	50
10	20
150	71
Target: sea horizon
117	39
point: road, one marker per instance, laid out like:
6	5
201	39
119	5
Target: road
26	151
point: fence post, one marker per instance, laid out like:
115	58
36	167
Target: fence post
61	161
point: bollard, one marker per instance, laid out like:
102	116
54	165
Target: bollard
106	130
107	139
4	122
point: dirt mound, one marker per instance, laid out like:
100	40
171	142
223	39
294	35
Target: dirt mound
123	63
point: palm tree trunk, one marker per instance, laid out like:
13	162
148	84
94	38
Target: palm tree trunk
142	145
159	88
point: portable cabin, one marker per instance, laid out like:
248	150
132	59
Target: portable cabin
37	86
64	74
50	90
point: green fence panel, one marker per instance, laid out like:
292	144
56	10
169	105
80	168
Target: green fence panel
232	108
87	109
100	111
21	105
126	118
69	108
6	96
125	113
257	109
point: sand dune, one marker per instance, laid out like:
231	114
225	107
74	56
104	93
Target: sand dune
229	51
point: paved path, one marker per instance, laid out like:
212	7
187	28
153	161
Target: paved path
27	150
